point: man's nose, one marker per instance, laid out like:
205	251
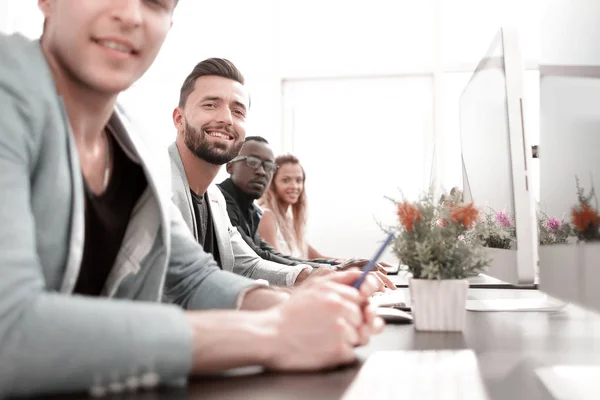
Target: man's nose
127	12
260	170
224	116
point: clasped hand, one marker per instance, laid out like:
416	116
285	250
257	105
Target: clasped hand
324	319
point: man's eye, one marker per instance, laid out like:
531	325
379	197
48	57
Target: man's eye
161	3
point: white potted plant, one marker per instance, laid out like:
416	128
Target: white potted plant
571	264
496	231
431	243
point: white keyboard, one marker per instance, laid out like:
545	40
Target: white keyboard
423	375
389	298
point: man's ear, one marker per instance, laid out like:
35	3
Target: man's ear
229	168
45	7
178	119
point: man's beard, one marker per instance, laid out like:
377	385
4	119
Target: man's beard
216	154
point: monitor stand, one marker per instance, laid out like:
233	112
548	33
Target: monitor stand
517	301
480	281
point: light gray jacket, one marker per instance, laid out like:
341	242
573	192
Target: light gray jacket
235	254
51	340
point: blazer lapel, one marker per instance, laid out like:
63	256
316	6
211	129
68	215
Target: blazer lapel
77	230
221	231
181	190
149	212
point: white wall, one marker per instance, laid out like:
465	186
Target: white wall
404	64
20	16
569	102
359	140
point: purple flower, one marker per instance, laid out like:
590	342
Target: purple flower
553	224
503	219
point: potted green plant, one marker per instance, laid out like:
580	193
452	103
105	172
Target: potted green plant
571	265
431	244
496	231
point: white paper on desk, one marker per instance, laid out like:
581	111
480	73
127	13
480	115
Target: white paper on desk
419	374
389	298
539	304
571	382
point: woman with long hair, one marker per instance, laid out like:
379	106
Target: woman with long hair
283	222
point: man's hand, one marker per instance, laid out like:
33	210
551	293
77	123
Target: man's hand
306	274
356	264
322	321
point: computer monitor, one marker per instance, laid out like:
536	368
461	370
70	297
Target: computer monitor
496	154
570	143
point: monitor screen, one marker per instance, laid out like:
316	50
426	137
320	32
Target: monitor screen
485	135
495	159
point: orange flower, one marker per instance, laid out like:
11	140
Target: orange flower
408	215
584	217
466	215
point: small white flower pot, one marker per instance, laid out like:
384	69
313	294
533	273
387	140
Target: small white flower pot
439	305
571	272
501	263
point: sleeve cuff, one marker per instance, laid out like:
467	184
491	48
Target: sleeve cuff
292	275
260	283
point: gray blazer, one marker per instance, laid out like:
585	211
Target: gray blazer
236	255
51	340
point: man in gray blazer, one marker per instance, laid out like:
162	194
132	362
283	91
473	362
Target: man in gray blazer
91	243
210	121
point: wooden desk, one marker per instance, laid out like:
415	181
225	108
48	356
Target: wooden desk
509	346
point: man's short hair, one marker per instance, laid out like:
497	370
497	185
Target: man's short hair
213	67
256	139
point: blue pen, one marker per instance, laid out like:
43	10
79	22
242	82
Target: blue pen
373	261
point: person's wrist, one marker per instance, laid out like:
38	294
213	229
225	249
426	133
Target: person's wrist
302	276
260	328
268	339
192	320
261	298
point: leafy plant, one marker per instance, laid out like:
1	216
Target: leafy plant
551	230
498	230
584	216
495	229
431	239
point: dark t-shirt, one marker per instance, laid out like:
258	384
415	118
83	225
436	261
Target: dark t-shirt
207	236
106	220
241	209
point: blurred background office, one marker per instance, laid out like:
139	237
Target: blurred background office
364	93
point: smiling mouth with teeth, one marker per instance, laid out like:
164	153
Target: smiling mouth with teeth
220	135
115	46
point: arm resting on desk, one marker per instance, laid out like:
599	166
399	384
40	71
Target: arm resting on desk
52	342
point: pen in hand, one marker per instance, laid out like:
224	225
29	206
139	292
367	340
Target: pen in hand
371	264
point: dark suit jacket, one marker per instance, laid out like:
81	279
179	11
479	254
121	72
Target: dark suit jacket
247	224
